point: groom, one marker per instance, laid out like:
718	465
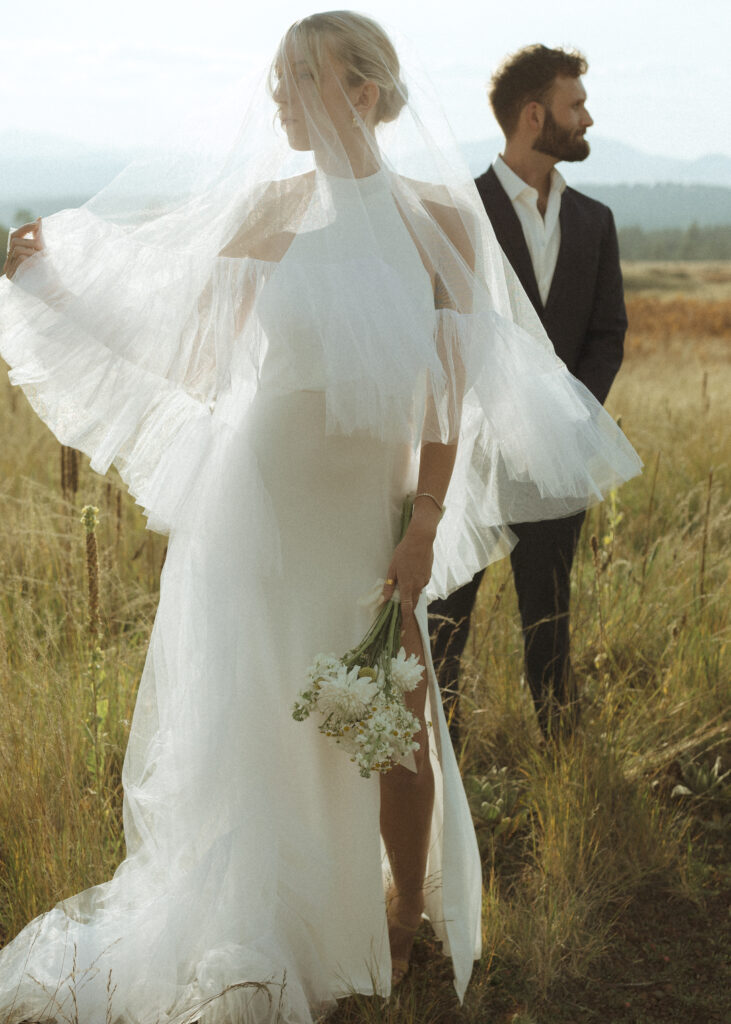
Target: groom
563	247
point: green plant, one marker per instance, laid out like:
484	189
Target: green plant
498	807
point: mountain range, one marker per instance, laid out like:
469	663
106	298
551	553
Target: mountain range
615	163
44	173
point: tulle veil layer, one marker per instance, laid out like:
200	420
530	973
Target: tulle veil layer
140	338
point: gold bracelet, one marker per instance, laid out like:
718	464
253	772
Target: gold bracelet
425	494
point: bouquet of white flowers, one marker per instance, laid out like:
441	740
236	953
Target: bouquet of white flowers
360	696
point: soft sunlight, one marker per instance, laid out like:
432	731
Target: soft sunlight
111	76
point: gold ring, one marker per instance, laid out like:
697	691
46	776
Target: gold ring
390	583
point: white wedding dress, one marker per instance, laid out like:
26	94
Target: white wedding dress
253	886
260	350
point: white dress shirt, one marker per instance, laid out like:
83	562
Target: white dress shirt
542	234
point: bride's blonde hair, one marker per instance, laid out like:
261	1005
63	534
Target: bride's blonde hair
360	44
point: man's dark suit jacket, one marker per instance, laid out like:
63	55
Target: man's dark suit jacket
584	315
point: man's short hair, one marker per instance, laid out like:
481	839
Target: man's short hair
527	77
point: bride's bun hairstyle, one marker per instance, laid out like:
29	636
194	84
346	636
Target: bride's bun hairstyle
528	76
361	45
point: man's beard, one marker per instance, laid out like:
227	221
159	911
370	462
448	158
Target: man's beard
559	142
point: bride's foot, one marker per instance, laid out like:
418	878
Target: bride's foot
404	917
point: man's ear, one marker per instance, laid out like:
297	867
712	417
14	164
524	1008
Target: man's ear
532	117
366	98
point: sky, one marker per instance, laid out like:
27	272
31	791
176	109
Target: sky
112	74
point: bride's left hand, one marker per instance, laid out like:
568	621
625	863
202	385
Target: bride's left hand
411	565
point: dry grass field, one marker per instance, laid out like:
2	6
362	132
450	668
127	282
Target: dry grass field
606	864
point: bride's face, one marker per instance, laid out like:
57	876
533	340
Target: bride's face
310	111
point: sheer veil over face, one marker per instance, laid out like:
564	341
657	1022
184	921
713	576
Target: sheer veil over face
316	106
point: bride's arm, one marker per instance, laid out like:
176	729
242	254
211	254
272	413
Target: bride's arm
413	558
193	366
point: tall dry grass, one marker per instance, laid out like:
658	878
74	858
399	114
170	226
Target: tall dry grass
66	709
568	838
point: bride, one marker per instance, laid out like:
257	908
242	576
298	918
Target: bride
274	348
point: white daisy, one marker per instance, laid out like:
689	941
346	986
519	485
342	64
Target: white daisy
406	673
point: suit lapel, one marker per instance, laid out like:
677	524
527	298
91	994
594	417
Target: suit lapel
509	234
569	262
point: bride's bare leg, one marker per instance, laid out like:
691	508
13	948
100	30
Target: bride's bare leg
407	799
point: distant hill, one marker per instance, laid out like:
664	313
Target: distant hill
43	174
657	207
612	163
693	243
650	207
42	207
46	173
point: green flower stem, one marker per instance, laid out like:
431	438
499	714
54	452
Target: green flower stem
353	656
383	639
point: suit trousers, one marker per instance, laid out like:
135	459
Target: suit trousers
541	562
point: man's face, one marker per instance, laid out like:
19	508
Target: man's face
566	121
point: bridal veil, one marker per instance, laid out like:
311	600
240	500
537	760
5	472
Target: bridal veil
138	337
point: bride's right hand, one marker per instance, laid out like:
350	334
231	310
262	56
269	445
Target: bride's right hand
23	243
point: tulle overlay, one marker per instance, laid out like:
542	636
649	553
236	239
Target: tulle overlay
261	344
158	394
